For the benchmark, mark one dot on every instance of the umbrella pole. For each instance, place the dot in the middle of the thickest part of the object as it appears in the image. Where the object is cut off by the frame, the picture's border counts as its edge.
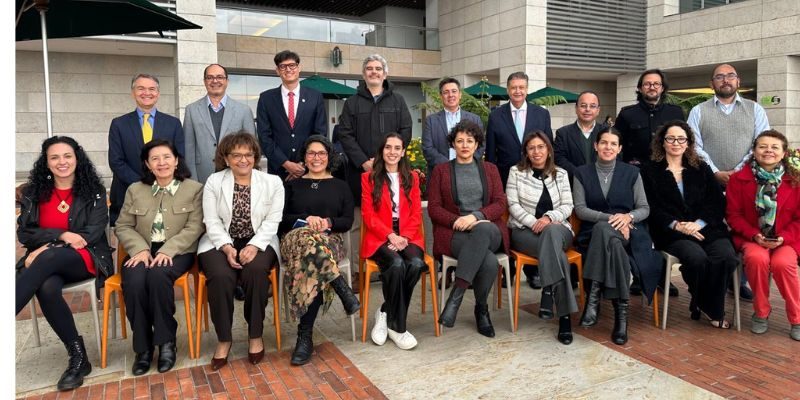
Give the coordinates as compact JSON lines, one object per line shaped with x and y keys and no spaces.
{"x":46,"y":75}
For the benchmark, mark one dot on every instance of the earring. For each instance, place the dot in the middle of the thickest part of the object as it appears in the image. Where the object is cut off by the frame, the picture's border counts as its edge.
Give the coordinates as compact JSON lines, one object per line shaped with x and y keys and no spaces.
{"x":49,"y":177}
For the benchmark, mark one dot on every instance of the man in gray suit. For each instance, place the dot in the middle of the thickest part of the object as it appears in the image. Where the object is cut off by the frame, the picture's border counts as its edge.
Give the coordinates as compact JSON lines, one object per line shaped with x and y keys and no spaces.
{"x":209,"y":119}
{"x":435,"y":146}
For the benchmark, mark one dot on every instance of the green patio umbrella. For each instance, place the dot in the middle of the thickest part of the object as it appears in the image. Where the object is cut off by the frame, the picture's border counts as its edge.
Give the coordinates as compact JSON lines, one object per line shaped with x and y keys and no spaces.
{"x":328,"y":88}
{"x":494,"y":92}
{"x":548,"y":91}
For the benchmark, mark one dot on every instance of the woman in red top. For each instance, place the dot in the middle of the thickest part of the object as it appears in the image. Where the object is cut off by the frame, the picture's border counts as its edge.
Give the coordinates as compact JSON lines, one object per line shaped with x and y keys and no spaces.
{"x":763,"y":212}
{"x":391,"y":210}
{"x":62,"y":225}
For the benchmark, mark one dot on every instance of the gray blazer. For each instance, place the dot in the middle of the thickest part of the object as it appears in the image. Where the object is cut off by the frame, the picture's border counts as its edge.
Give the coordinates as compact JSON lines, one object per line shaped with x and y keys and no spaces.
{"x":201,"y":142}
{"x":434,"y":138}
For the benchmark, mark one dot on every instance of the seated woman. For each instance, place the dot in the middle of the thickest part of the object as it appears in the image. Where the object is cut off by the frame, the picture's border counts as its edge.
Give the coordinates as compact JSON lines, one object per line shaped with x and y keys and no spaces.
{"x":321,"y":207}
{"x":466,"y":203}
{"x":62,"y":221}
{"x":242,"y":208}
{"x":686,"y":219}
{"x":540,"y":203}
{"x":391,"y":211}
{"x":160,"y":222}
{"x":610,"y":201}
{"x":764,"y":215}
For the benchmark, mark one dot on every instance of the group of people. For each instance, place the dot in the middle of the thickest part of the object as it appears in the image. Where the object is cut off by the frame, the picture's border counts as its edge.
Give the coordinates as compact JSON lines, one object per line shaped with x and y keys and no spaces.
{"x":194,"y":194}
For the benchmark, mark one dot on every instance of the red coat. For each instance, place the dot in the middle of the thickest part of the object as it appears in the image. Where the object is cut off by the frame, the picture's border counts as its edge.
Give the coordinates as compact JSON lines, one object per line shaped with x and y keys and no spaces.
{"x":443,"y":210}
{"x":741,"y":211}
{"x":378,"y":223}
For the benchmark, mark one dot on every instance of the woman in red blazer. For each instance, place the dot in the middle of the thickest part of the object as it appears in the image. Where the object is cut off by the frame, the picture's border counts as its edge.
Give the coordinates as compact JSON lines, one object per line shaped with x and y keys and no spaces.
{"x":391,"y":211}
{"x":763,"y":212}
{"x":466,"y":203}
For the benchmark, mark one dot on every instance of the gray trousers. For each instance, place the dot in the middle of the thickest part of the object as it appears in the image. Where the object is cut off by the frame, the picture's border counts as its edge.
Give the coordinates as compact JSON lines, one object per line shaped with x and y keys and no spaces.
{"x":549,"y":246}
{"x":477,"y":263}
{"x":607,"y":261}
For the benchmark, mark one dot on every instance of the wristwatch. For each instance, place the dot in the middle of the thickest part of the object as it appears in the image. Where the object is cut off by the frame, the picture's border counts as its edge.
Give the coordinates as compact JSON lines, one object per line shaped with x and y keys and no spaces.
{"x":631,"y":215}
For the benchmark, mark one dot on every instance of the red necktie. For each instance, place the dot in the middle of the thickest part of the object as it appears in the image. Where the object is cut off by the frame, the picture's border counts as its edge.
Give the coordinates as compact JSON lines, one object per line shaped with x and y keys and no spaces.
{"x":291,"y":110}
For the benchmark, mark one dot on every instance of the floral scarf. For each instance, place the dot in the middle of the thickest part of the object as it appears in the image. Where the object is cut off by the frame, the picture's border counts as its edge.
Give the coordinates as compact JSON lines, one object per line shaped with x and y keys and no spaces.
{"x":767,"y":196}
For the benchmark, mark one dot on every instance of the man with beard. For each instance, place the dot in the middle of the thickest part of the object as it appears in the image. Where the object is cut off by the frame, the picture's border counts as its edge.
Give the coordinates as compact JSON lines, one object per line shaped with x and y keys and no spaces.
{"x":639,"y":122}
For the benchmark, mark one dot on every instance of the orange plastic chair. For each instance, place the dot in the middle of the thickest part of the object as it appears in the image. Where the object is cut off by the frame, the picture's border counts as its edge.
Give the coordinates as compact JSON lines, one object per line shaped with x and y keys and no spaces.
{"x":370,"y":266}
{"x":114,"y":285}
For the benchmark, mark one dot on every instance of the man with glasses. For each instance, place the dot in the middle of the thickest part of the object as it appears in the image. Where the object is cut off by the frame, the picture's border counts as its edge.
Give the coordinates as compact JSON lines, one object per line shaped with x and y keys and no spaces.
{"x":209,"y":119}
{"x":574,"y":145}
{"x":639,"y":122}
{"x":287,"y":115}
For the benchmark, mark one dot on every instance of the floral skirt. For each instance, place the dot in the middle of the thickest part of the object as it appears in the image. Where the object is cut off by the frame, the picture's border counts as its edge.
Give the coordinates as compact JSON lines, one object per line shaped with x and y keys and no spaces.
{"x":310,"y":264}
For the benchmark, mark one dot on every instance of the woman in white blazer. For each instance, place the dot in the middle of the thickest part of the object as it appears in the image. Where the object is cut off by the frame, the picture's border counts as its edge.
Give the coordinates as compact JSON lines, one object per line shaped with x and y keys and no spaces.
{"x":242,"y":208}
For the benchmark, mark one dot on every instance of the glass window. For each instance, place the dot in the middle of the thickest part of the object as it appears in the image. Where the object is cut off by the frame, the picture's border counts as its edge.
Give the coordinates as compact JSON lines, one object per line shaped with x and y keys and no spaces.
{"x":305,"y":28}
{"x":247,"y":88}
{"x":262,"y":24}
{"x":350,"y":32}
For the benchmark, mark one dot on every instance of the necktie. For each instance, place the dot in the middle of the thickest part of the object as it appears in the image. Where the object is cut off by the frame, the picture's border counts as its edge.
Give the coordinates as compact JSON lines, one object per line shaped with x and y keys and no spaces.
{"x":519,"y":124}
{"x":147,"y":130}
{"x":291,"y":110}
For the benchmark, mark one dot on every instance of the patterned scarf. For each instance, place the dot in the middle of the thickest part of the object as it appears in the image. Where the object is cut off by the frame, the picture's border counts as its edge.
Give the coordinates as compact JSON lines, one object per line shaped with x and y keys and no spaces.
{"x":767,"y":196}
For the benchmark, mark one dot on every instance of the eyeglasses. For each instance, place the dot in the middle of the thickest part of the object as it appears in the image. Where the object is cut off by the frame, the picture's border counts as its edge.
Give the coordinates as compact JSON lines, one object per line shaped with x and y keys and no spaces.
{"x":673,"y":139}
{"x":290,"y":66}
{"x":314,"y":154}
{"x":654,"y":85}
{"x":212,"y":78}
{"x":583,"y":106}
{"x":724,"y":77}
{"x":239,"y":156}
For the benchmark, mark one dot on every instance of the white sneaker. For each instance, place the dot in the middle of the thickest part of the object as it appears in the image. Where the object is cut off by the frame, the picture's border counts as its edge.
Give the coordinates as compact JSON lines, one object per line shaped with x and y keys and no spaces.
{"x":405,"y":340}
{"x":379,"y":331}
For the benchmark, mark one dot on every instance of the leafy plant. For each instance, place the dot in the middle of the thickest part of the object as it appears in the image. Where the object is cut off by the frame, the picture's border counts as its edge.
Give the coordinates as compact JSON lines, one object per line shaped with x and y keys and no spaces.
{"x":417,"y":161}
{"x":686,"y":103}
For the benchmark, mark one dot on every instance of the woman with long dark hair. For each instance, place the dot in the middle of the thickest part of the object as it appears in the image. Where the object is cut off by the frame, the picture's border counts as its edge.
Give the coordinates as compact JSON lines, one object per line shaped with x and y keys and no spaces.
{"x":62,"y":224}
{"x":391,"y":211}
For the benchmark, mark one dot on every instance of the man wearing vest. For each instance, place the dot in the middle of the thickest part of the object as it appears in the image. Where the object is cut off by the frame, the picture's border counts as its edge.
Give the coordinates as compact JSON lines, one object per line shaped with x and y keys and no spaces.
{"x":725,"y":127}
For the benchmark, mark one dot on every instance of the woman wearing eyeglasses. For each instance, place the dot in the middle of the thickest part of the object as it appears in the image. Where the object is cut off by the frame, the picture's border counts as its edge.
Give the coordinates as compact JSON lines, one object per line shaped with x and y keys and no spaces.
{"x":242,"y":208}
{"x":687,"y":208}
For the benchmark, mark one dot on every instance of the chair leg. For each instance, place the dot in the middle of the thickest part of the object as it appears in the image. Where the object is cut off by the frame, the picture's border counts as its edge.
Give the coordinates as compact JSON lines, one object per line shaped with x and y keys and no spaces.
{"x":104,"y":337}
{"x":93,"y":299}
{"x":198,"y":310}
{"x":365,"y":308}
{"x":737,"y":312}
{"x":655,"y":308}
{"x":352,"y":317}
{"x":276,"y":318}
{"x":122,"y":315}
{"x":188,"y":311}
{"x":37,"y":340}
{"x":507,"y":269}
{"x":518,"y":267}
{"x":423,"y":292}
{"x":432,"y":277}
{"x":667,"y":273}
{"x":499,"y":289}
{"x":442,"y":290}
{"x":582,"y":294}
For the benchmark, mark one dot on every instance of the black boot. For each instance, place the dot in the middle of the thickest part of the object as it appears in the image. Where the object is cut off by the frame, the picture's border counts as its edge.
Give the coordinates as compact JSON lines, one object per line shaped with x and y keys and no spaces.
{"x":565,"y":330}
{"x":591,"y":310}
{"x":78,"y":366}
{"x":141,"y":364}
{"x":167,"y":353}
{"x":349,"y":300}
{"x":304,"y":347}
{"x":448,"y":316}
{"x":620,"y":333}
{"x":546,"y":304}
{"x":482,"y":320}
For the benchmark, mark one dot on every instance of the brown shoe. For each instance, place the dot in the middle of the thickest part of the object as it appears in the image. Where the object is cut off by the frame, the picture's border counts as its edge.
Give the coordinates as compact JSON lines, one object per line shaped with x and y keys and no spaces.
{"x":255,"y":358}
{"x":217,"y":363}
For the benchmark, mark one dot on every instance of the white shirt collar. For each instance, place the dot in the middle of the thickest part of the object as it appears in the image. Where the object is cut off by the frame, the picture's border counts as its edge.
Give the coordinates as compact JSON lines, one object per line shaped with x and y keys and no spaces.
{"x":524,"y":106}
{"x":285,"y":91}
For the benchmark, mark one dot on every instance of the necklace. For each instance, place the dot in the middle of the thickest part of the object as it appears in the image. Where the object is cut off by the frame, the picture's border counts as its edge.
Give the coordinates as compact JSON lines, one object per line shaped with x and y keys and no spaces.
{"x":315,"y":184}
{"x":62,"y":207}
{"x":605,"y":179}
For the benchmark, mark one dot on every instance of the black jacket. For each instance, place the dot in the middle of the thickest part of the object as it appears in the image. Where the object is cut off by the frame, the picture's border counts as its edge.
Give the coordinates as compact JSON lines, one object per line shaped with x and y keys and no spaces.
{"x":87,"y":217}
{"x":638,"y":124}
{"x":567,"y":147}
{"x":702,"y":199}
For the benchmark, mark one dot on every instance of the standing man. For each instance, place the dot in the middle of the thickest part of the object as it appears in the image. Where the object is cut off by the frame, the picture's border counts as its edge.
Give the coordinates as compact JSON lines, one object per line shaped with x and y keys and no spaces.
{"x":509,"y":123}
{"x":210,"y":118}
{"x":371,"y":113}
{"x":639,"y":122}
{"x":287,"y":115}
{"x":129,"y":133}
{"x":435,"y":146}
{"x":574,"y":144}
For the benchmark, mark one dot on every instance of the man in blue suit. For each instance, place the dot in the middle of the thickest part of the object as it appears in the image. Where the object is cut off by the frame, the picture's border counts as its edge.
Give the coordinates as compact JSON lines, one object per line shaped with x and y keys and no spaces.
{"x":435,"y":146}
{"x":510,"y":122}
{"x":286,"y":116}
{"x":129,"y":133}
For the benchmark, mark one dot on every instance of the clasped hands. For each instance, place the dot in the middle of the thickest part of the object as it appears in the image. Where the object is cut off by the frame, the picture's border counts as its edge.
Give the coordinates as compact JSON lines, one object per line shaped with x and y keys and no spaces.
{"x":71,"y":239}
{"x":237,"y":259}
{"x":318,"y":224}
{"x":466,"y":222}
{"x":622,"y":223}
{"x":690,"y":228}
{"x":397,"y":242}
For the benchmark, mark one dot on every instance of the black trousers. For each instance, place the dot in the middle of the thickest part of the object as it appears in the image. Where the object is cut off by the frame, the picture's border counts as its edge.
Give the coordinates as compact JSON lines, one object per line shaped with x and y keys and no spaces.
{"x":706,"y":267}
{"x":400,"y":271}
{"x":150,"y":300}
{"x":46,"y":277}
{"x":477,"y":263}
{"x":221,"y":283}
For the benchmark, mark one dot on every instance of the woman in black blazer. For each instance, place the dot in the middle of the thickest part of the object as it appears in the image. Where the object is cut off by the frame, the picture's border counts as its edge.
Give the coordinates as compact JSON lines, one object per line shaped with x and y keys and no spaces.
{"x":687,"y":208}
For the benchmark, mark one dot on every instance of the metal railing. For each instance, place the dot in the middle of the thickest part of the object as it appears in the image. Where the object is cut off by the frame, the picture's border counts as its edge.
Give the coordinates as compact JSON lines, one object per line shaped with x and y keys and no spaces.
{"x":694,"y":5}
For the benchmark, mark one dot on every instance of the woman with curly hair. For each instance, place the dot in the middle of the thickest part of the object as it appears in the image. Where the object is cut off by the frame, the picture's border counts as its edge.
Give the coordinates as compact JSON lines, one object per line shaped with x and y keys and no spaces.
{"x":62,"y":225}
{"x":764,"y":215}
{"x":686,"y":219}
{"x":318,"y":211}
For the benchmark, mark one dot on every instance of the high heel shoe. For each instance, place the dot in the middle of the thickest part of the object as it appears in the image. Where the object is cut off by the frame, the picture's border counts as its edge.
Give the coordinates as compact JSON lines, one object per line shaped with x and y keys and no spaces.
{"x":217,"y":363}
{"x":256,"y":357}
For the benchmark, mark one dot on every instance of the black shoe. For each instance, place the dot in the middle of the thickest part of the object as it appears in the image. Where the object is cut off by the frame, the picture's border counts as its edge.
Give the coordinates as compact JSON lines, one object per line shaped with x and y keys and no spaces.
{"x":591,"y":310}
{"x":482,"y":320}
{"x":167,"y":353}
{"x":238,"y":293}
{"x":620,"y":333}
{"x":141,"y":364}
{"x":304,"y":347}
{"x":546,"y":304}
{"x":636,"y":287}
{"x":564,"y":330}
{"x":745,"y":293}
{"x":349,"y":300}
{"x":534,"y":281}
{"x":450,"y":310}
{"x":77,"y":367}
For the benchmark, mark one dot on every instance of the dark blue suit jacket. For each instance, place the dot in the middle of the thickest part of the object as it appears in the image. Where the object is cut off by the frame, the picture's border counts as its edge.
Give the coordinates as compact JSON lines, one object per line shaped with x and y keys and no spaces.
{"x":503,"y":147}
{"x":278,"y":141}
{"x":435,"y":146}
{"x":125,"y":145}
{"x":568,"y":147}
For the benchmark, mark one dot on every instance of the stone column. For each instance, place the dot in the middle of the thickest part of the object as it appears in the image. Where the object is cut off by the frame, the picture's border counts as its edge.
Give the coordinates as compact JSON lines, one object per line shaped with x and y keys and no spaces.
{"x":780,"y":76}
{"x":196,"y":48}
{"x":626,"y":91}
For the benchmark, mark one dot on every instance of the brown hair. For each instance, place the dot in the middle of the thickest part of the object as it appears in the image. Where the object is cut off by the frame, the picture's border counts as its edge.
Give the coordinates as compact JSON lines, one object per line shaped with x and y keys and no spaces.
{"x":549,"y":164}
{"x":657,"y":152}
{"x":794,"y":174}
{"x":230,"y":142}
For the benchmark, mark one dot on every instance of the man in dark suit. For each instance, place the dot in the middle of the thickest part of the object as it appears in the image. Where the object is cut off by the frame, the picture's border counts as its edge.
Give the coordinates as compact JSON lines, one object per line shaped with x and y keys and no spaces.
{"x":574,"y":145}
{"x":287,"y":115}
{"x":128,"y":134}
{"x":435,"y":146}
{"x":510,"y":122}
